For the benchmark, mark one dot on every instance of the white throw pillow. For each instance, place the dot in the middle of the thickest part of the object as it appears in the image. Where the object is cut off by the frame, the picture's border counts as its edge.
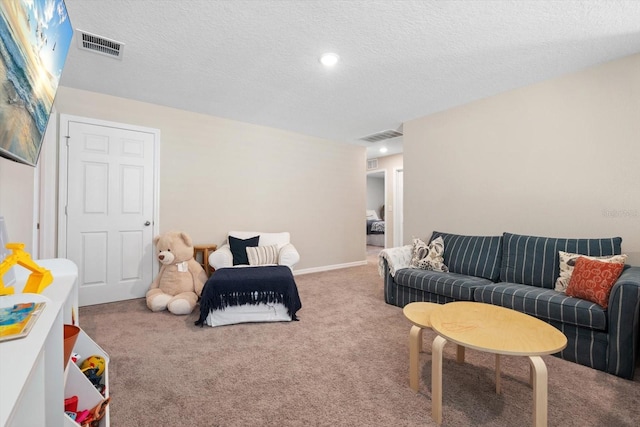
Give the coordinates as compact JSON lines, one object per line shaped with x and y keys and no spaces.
{"x":568,"y":261}
{"x":428,"y":257}
{"x":371,"y":214}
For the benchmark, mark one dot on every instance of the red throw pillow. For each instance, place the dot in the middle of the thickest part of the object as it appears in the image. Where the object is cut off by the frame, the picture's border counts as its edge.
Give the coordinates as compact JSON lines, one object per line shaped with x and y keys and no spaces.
{"x":592,"y":280}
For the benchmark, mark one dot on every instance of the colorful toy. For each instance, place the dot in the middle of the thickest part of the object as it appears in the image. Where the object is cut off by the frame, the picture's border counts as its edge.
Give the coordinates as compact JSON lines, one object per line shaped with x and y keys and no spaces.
{"x":39,"y":279}
{"x":82,"y":416}
{"x":181,"y":278}
{"x":71,"y":404}
{"x":94,"y":378}
{"x":93,"y":368}
{"x":94,"y":361}
{"x":88,"y":417}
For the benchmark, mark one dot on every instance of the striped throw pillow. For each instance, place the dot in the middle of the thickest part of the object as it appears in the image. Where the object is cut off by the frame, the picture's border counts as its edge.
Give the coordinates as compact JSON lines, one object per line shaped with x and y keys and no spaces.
{"x":262,"y":255}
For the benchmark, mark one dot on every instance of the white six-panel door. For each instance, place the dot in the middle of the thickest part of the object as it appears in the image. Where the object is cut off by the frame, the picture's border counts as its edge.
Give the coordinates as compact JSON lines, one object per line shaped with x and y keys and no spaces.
{"x":110,"y":192}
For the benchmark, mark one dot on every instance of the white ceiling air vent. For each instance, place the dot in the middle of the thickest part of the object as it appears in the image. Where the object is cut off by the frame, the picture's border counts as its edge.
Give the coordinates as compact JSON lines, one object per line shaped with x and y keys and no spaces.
{"x":99,"y":44}
{"x":379,"y":136}
{"x":372,"y":164}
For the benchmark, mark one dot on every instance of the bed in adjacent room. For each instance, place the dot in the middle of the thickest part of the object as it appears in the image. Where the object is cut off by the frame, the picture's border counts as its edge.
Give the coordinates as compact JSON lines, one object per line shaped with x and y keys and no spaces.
{"x":375,"y":229}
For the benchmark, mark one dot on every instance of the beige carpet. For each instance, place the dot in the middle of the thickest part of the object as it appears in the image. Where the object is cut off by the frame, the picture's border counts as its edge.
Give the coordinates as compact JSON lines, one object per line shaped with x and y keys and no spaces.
{"x":345,"y":363}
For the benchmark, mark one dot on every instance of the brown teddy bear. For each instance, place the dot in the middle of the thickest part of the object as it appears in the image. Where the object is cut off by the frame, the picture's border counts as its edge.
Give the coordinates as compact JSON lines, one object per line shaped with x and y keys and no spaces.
{"x":181,"y":278}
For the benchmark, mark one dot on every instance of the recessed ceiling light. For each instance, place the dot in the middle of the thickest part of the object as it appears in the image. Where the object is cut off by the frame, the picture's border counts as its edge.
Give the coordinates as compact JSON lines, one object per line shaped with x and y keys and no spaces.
{"x":329,"y":59}
{"x":383,"y":150}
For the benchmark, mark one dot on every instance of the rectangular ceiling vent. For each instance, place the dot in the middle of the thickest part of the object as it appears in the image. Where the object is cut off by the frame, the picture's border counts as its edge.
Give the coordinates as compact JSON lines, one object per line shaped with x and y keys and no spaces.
{"x":372,"y":164}
{"x":385,"y":134}
{"x":99,"y":44}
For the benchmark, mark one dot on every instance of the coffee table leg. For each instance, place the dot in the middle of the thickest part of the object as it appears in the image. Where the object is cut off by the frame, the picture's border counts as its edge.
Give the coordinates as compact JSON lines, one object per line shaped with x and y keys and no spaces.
{"x":436,"y":378}
{"x":460,"y":354}
{"x":498,"y":383}
{"x":415,"y":345}
{"x":531,"y":375}
{"x":539,"y":391}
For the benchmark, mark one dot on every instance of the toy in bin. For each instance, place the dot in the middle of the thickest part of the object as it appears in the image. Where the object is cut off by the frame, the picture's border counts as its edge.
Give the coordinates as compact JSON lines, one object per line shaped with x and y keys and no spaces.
{"x":93,"y":368}
{"x":85,"y":417}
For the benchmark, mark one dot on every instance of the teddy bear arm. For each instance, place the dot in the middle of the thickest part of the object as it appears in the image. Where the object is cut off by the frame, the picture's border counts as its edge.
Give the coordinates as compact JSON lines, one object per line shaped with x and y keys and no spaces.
{"x":199,"y":276}
{"x":198,"y":286}
{"x":155,"y":284}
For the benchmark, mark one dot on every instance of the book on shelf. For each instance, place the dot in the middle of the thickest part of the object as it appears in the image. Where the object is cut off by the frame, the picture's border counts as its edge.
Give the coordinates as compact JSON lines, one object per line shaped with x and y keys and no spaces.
{"x":16,"y":321}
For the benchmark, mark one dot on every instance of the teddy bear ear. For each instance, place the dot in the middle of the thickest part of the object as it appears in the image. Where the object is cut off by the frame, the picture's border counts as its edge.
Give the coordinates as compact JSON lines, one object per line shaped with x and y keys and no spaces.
{"x":186,"y":239}
{"x":156,"y":239}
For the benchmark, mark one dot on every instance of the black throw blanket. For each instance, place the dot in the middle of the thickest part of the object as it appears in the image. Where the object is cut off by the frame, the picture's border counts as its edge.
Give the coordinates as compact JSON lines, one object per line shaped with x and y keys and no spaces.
{"x":250,"y":285}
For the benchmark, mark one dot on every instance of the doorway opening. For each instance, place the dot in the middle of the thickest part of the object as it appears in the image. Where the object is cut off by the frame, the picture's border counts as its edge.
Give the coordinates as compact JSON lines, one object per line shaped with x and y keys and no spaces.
{"x":376,"y":201}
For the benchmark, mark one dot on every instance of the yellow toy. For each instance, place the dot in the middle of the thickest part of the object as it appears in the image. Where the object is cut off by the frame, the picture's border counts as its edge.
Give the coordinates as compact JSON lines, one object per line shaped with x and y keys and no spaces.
{"x":39,"y":279}
{"x":94,"y":362}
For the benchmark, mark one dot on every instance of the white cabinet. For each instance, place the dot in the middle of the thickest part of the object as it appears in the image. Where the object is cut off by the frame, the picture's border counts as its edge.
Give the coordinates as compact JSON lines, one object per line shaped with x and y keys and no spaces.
{"x":34,"y":379}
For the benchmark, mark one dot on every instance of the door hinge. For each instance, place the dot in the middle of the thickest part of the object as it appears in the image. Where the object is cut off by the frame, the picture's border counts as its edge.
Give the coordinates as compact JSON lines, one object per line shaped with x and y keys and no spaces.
{"x":67,"y":138}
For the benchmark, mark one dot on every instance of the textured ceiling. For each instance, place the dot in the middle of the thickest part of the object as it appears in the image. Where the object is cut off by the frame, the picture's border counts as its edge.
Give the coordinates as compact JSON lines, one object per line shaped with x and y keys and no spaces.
{"x":257,"y":61}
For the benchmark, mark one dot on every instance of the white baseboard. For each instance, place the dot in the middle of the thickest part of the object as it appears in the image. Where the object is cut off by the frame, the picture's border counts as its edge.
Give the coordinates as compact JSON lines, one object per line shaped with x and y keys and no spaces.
{"x":329,"y":267}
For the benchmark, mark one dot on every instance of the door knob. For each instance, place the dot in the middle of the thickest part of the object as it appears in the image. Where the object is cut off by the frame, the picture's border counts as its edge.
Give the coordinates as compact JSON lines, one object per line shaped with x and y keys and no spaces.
{"x":147,"y":223}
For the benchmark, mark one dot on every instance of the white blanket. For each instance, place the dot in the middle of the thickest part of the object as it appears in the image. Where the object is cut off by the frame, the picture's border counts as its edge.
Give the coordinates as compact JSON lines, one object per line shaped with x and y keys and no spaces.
{"x":397,"y":258}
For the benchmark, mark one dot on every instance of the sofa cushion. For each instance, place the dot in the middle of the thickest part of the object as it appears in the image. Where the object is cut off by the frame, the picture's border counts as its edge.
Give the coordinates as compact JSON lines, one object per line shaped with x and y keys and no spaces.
{"x":472,"y":255}
{"x":545,"y":304}
{"x":532,"y":260}
{"x":457,"y":286}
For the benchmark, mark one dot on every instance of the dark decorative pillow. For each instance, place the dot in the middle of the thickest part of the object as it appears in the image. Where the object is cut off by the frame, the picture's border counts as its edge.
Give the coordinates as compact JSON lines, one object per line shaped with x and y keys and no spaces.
{"x":239,"y":248}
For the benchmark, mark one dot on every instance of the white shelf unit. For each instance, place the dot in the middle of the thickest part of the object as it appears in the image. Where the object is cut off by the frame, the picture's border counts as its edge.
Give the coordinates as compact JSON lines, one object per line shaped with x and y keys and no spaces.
{"x":77,"y":384}
{"x":31,"y":369}
{"x":33,"y":389}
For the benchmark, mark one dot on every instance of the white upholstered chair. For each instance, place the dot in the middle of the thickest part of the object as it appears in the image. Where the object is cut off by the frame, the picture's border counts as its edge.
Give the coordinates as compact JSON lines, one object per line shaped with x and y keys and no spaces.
{"x":224,"y":256}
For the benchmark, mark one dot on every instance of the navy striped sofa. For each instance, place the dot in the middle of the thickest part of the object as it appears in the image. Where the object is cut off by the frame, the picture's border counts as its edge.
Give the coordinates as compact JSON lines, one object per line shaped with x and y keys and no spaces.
{"x":519,"y":272}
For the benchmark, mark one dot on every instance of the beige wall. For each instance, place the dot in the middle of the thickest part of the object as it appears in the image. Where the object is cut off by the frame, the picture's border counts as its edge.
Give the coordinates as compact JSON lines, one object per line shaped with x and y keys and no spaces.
{"x":219,"y":175}
{"x":16,"y":201}
{"x":389,"y":164}
{"x":560,"y":158}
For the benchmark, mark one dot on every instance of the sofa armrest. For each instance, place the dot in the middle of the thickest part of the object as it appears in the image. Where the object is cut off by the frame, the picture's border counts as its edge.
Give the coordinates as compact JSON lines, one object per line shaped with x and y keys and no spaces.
{"x":397,"y":258}
{"x":221,"y":257}
{"x":288,"y":256}
{"x":623,"y":322}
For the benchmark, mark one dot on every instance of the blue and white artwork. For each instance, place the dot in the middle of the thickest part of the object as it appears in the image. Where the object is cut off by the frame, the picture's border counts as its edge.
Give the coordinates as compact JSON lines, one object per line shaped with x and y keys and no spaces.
{"x":35,"y":36}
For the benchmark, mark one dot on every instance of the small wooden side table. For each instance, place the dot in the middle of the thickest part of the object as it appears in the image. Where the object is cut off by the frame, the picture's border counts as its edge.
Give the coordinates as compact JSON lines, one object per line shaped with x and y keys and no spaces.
{"x":201,"y":254}
{"x":419,"y":313}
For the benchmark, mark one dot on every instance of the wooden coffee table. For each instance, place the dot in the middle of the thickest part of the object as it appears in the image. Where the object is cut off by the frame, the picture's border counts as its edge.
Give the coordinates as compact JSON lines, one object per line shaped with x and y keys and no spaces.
{"x":498,"y":330}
